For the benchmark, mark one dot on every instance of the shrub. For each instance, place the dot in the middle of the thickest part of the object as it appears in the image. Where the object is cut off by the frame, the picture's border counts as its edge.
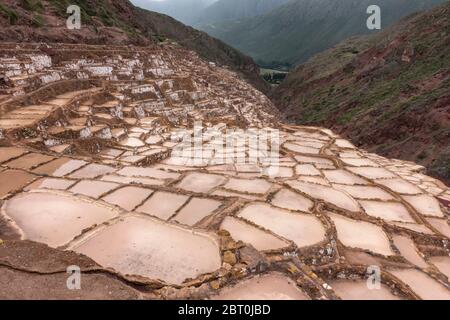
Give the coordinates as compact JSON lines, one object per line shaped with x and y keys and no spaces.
{"x":10,"y":14}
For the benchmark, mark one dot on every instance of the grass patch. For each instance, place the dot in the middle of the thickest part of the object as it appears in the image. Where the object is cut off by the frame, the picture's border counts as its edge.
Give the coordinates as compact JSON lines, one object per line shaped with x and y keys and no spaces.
{"x":38,"y":21}
{"x":32,"y":5}
{"x":9,"y":13}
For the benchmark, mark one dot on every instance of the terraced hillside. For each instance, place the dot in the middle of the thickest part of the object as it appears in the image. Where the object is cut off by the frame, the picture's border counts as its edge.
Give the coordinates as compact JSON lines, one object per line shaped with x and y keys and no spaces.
{"x":91,"y":176}
{"x":388,"y":93}
{"x":115,"y":22}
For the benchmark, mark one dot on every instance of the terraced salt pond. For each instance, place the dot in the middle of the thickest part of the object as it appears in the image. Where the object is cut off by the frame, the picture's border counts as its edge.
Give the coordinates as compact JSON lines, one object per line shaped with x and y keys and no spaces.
{"x":359,"y":290}
{"x":426,"y":287}
{"x":259,"y":239}
{"x":363,"y":235}
{"x":13,"y":180}
{"x":391,"y":211}
{"x":291,"y":200}
{"x":327,"y":194}
{"x":163,"y":204}
{"x":60,"y":167}
{"x":128,"y":198}
{"x":92,"y":171}
{"x":196,"y":210}
{"x":365,"y":192}
{"x":9,"y":153}
{"x":257,"y":186}
{"x":443,"y":264}
{"x":303,"y":229}
{"x":93,"y":189}
{"x":425,"y":205}
{"x":401,"y":186}
{"x":201,"y":182}
{"x":143,"y":246}
{"x":29,"y":161}
{"x":50,"y":183}
{"x":267,"y":287}
{"x":343,"y":177}
{"x":54,"y":218}
{"x":409,"y":251}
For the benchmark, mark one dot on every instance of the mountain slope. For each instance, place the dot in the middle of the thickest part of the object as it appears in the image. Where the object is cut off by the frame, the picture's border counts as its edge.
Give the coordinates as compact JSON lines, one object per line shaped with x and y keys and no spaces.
{"x":229,"y":10}
{"x":299,"y":29}
{"x":114,"y":22}
{"x":388,"y":92}
{"x":185,"y":11}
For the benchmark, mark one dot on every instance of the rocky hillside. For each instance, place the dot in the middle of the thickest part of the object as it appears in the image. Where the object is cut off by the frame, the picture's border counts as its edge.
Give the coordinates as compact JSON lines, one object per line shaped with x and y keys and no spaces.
{"x":293,"y":33}
{"x":388,"y":93}
{"x":114,"y":22}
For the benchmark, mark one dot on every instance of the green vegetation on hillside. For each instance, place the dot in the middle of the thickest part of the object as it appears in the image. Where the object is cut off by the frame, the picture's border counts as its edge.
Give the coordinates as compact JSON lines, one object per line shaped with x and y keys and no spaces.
{"x":10,"y":14}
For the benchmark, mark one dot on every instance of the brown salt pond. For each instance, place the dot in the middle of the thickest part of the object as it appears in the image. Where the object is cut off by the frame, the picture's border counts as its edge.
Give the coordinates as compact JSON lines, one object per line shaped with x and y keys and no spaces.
{"x":13,"y":180}
{"x":128,"y":198}
{"x":196,"y":210}
{"x":360,"y":234}
{"x":287,"y":199}
{"x":8,"y":153}
{"x":163,"y":204}
{"x":60,"y":167}
{"x":247,"y":233}
{"x":273,"y":286}
{"x":409,"y":251}
{"x":359,"y":290}
{"x":93,"y":189}
{"x":303,"y":229}
{"x":29,"y":161}
{"x":54,"y":218}
{"x":201,"y":182}
{"x":391,"y":211}
{"x":325,"y":193}
{"x":144,"y":246}
{"x":422,"y":284}
{"x":443,"y":264}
